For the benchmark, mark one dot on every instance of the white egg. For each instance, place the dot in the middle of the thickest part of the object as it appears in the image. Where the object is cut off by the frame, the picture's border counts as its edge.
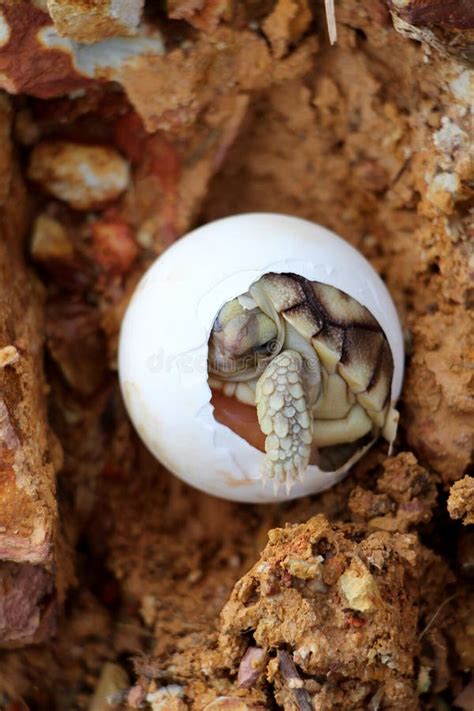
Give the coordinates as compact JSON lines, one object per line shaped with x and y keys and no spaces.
{"x":163,"y":347}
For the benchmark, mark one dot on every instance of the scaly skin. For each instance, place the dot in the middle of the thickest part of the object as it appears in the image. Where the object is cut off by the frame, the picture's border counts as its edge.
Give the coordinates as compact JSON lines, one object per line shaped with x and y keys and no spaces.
{"x":285,"y":418}
{"x":318,"y":362}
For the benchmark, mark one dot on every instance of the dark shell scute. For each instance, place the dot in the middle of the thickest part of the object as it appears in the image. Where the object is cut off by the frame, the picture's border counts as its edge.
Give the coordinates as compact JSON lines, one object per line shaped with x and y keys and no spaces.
{"x":304,"y":319}
{"x":360,"y":356}
{"x":341,"y":309}
{"x":285,"y":291}
{"x":378,"y":390}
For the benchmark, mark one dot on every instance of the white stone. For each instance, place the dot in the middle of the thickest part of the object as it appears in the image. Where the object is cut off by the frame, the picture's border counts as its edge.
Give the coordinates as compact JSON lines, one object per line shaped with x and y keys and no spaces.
{"x":4,"y":30}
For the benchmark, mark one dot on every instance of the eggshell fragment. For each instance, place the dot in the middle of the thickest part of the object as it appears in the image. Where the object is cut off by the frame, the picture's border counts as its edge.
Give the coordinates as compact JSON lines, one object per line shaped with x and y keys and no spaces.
{"x":164,"y":343}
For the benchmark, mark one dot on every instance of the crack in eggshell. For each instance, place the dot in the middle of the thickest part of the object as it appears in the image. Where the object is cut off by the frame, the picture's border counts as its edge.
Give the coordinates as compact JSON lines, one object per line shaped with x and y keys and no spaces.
{"x":181,"y":277}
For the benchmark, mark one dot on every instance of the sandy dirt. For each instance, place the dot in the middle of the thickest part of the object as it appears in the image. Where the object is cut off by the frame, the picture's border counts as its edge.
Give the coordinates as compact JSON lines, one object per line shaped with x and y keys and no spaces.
{"x":360,"y":598}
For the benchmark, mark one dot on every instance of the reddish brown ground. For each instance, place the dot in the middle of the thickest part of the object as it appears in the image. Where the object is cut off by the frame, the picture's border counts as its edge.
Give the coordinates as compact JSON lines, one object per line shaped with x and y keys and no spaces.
{"x":369,"y":138}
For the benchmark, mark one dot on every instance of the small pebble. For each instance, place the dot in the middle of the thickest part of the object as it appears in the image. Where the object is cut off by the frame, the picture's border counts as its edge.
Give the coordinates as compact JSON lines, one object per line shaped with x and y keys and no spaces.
{"x":8,"y":356}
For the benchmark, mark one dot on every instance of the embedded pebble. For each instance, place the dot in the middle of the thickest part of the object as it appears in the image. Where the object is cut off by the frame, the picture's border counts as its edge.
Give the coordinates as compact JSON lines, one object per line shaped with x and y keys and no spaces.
{"x":8,"y":356}
{"x":83,"y":176}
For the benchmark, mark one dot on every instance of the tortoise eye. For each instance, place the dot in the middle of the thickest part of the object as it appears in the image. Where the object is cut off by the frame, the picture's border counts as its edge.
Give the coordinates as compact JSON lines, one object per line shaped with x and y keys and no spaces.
{"x":271,"y":348}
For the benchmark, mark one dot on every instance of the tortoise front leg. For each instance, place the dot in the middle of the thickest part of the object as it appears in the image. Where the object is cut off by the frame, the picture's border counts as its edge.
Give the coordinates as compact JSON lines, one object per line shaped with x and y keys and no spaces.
{"x":285,"y":418}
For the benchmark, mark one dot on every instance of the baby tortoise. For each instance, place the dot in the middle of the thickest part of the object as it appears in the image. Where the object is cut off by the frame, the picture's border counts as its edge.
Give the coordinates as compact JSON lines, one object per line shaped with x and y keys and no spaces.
{"x":314,"y":362}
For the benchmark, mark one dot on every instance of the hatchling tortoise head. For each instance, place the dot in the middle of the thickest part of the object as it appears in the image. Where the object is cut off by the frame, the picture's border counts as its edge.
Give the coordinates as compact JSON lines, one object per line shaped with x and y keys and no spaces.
{"x":314,"y":362}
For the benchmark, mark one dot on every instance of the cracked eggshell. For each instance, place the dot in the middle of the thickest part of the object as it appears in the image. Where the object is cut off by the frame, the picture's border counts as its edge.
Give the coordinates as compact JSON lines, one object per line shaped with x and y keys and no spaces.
{"x":164,"y":342}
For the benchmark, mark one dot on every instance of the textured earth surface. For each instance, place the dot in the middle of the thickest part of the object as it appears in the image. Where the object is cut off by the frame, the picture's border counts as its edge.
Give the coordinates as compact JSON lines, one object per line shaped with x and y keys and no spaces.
{"x":143,"y":593}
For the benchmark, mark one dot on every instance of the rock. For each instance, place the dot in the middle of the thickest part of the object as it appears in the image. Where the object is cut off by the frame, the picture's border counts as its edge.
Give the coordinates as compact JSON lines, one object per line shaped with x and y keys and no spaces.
{"x":461,"y":500}
{"x":363,"y":623}
{"x":167,"y":698}
{"x":113,"y":245}
{"x":29,"y":453}
{"x":8,"y":356}
{"x":35,"y":59}
{"x":83,"y":176}
{"x":50,"y":241}
{"x":230,"y":703}
{"x":359,"y":588}
{"x":109,"y":692}
{"x":94,"y":20}
{"x":443,"y":25}
{"x":251,"y":667}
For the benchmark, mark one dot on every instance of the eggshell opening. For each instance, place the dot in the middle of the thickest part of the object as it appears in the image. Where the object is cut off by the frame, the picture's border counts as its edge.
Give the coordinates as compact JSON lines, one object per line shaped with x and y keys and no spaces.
{"x":240,"y":418}
{"x":164,"y":342}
